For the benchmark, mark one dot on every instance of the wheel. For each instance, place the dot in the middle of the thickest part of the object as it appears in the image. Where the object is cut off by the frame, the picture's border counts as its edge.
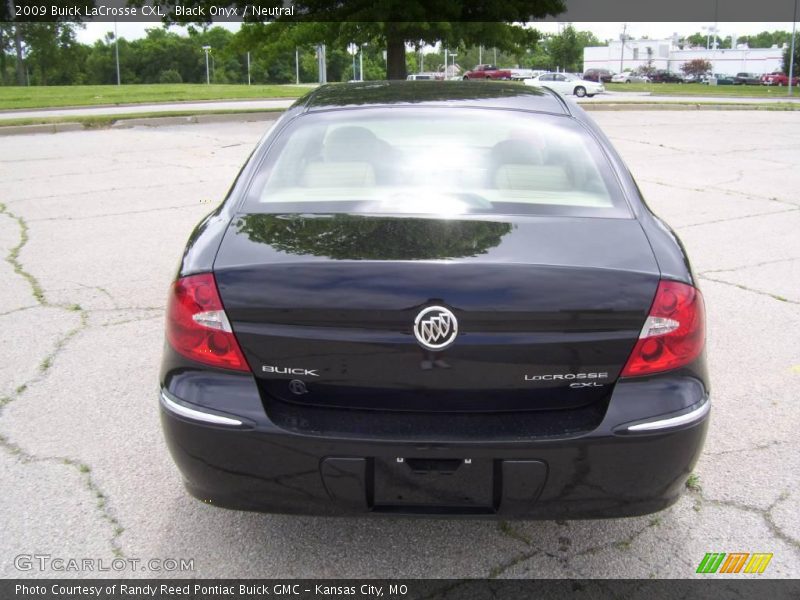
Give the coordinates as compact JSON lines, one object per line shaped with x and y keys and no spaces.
{"x":466,"y":78}
{"x":580,"y":91}
{"x":590,"y":95}
{"x":627,"y":81}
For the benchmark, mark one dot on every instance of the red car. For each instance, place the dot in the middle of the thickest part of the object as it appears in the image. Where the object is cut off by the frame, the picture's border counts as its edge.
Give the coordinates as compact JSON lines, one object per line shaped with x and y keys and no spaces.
{"x":778,"y":78}
{"x":487,"y":72}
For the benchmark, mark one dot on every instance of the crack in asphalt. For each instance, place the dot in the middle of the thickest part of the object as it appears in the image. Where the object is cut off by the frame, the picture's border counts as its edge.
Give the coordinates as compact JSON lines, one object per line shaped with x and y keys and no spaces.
{"x":20,"y":309}
{"x":749,"y":289}
{"x":509,"y":531}
{"x":726,"y":191}
{"x":111,"y":190}
{"x":119,"y":214}
{"x":90,"y":484}
{"x":771,"y":444}
{"x":764,"y":513}
{"x":738,"y":218}
{"x":763,"y":263}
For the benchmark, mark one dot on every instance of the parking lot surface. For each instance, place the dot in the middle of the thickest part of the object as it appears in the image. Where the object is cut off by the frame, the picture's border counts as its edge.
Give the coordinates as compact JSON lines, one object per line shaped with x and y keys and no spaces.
{"x":92,"y":227}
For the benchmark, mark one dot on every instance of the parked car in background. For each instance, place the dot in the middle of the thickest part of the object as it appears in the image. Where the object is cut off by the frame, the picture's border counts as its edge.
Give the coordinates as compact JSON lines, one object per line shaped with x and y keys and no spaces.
{"x":747,"y":79}
{"x":778,"y":78}
{"x":665,"y":77}
{"x":565,"y":83}
{"x":719,"y":79}
{"x":629,"y":78}
{"x":488,"y":72}
{"x":425,"y":76}
{"x":598,"y":75}
{"x":694,"y":78}
{"x":520,"y":74}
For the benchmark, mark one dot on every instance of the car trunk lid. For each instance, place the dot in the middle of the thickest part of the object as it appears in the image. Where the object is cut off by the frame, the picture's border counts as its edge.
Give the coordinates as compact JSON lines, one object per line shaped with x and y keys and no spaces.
{"x":548,"y":308}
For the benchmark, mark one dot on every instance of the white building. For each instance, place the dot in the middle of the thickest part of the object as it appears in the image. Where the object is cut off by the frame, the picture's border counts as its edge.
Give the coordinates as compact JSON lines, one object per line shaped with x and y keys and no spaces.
{"x":668,"y":55}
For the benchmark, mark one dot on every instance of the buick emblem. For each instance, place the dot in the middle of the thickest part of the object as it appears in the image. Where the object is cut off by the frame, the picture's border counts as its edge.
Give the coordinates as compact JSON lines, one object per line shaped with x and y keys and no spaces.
{"x":435,"y":328}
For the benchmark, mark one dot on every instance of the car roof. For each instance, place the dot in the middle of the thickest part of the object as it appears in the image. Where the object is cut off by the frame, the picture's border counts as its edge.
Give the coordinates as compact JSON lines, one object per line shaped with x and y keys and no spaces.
{"x":482,"y":94}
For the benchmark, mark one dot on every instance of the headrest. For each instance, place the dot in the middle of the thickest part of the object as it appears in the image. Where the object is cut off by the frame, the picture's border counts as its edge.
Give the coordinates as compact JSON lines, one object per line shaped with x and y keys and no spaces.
{"x":531,"y":177}
{"x":350,"y":143}
{"x":338,"y":175}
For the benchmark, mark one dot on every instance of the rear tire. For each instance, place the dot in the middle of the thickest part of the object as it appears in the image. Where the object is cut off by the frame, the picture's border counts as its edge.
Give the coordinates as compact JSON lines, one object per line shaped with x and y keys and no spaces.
{"x":590,"y":95}
{"x":580,"y":91}
{"x":466,"y":78}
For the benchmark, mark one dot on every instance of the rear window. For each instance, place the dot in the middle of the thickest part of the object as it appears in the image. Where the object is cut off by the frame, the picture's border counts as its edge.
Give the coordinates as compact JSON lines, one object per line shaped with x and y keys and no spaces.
{"x":436,"y":161}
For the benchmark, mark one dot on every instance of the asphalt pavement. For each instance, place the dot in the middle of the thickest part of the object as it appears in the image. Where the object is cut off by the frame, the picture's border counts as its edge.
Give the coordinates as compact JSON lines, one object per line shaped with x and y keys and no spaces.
{"x":92,"y":225}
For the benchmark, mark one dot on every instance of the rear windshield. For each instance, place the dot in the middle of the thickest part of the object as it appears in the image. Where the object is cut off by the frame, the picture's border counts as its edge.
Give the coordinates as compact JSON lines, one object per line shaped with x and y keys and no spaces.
{"x":441,"y":161}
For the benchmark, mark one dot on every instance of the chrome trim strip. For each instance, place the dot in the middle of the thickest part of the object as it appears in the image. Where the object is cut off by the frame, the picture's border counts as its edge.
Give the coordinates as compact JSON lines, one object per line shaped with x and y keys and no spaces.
{"x":196,"y":415}
{"x":689,"y":417}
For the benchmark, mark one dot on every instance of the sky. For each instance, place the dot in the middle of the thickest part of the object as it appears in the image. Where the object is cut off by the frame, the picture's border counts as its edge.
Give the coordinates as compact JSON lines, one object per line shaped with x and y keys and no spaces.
{"x":131,"y":31}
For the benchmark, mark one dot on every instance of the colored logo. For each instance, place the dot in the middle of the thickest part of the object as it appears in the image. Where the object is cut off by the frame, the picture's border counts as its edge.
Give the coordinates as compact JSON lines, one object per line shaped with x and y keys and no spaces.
{"x":734,"y":562}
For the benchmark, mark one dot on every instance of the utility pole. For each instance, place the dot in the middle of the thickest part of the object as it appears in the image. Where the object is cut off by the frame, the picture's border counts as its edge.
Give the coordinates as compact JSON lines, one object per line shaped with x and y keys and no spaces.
{"x":297,"y":65}
{"x":361,"y":63}
{"x":353,"y":50}
{"x":248,"y":68}
{"x":208,"y":78}
{"x":322,"y":68}
{"x":622,"y":46}
{"x":791,"y":50}
{"x":480,"y":54}
{"x":116,"y":50}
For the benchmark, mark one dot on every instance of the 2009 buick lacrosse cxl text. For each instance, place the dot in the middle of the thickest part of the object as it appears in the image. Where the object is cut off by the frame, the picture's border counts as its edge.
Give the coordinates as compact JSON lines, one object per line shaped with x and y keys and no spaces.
{"x":435,"y":298}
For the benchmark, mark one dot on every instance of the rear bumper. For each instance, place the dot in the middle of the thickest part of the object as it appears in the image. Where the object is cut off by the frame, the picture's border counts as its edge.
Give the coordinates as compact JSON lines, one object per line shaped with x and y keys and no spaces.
{"x":631,"y":464}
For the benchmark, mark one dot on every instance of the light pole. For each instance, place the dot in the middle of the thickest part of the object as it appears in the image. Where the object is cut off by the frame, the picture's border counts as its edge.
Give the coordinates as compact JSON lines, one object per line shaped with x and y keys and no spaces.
{"x":453,"y":56}
{"x":208,"y":77}
{"x":622,"y":46}
{"x":353,"y":50}
{"x":361,"y":62}
{"x":116,"y":51}
{"x":297,"y":65}
{"x":248,"y":68}
{"x":791,"y":50}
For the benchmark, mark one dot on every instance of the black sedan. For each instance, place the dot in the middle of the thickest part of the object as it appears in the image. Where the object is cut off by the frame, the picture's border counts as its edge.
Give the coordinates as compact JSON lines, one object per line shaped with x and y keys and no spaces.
{"x":435,"y":300}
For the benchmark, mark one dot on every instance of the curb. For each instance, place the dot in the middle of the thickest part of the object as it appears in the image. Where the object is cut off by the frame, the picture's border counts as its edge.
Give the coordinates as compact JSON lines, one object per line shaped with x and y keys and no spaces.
{"x":633,"y":106}
{"x":123,"y":123}
{"x":41,"y":128}
{"x":197,"y":119}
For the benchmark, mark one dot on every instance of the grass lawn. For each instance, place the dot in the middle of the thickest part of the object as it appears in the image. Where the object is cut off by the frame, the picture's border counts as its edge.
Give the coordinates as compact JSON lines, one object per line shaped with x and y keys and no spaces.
{"x":89,"y":95}
{"x":699,"y":89}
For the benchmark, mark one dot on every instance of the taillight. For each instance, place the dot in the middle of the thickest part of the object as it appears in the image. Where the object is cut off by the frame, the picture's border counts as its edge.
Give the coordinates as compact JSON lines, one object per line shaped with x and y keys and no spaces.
{"x":197,"y":326}
{"x":674,"y":333}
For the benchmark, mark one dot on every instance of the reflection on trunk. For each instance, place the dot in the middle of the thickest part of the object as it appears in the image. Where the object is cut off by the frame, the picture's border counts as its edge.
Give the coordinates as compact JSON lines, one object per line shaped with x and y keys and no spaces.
{"x":345,"y":237}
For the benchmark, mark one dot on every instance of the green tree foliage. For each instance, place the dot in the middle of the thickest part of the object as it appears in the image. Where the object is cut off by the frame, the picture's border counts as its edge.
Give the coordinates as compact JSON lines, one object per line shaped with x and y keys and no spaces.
{"x":391,"y":24}
{"x":566,"y":48}
{"x":766,"y":39}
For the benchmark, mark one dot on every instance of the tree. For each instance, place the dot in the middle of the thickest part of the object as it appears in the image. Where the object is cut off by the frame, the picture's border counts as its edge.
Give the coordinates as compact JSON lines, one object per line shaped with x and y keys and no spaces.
{"x":565,"y":49}
{"x":696,"y":67}
{"x":394,"y":23}
{"x":766,"y":39}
